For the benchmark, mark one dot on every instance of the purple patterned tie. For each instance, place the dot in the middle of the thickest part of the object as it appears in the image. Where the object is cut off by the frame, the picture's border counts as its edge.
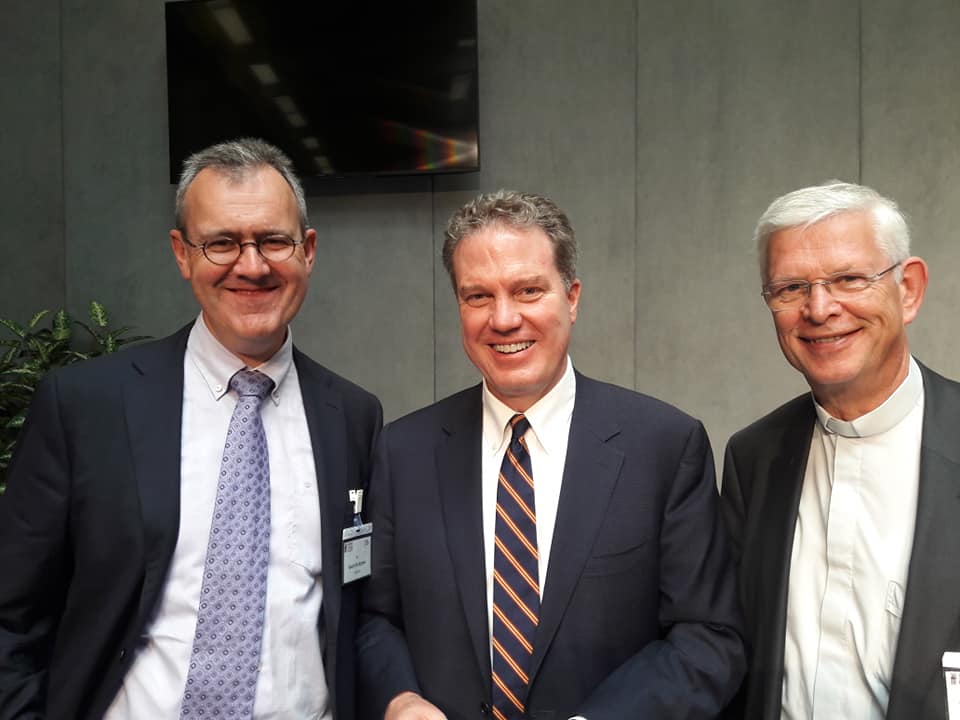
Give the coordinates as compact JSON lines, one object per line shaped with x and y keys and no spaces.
{"x":222,"y":681}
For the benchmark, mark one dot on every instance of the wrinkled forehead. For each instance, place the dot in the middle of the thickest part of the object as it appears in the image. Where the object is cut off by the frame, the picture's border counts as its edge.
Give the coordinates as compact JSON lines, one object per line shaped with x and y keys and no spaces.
{"x":219,"y":194}
{"x":839,"y":242}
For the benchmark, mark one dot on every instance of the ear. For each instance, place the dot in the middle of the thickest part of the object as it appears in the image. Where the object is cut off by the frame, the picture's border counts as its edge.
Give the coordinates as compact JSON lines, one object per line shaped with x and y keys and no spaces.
{"x":309,"y":248}
{"x":573,"y":299}
{"x":180,"y":253}
{"x":913,"y":286}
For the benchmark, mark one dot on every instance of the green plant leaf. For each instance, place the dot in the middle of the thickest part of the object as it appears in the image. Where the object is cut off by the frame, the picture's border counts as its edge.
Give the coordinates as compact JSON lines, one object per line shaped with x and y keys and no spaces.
{"x":41,"y":349}
{"x":98,"y":314}
{"x":14,"y":327}
{"x":10,"y":354}
{"x":23,"y":370}
{"x":61,"y":325}
{"x":19,"y":386}
{"x":34,"y":350}
{"x":37,"y":318}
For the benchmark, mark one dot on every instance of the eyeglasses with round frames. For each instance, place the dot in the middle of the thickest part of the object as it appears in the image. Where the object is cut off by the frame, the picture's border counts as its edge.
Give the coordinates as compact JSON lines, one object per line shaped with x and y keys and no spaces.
{"x":226,"y":251}
{"x":791,"y":294}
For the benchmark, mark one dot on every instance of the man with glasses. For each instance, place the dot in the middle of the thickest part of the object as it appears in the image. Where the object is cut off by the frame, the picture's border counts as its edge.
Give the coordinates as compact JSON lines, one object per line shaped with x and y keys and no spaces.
{"x":170,"y":538}
{"x":842,"y":501}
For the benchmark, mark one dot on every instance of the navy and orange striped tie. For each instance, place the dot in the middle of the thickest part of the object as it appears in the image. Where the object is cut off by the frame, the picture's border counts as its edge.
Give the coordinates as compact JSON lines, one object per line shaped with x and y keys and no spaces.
{"x":516,"y":583}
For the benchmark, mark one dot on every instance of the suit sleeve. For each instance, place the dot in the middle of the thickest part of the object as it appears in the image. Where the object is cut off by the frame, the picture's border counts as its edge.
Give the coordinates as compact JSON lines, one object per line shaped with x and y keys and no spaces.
{"x":698,"y":664}
{"x":33,"y":558}
{"x":384,"y":666}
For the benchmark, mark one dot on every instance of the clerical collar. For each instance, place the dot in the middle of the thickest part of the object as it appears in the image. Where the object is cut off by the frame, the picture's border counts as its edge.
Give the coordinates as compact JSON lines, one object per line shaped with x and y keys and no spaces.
{"x":894,"y":409}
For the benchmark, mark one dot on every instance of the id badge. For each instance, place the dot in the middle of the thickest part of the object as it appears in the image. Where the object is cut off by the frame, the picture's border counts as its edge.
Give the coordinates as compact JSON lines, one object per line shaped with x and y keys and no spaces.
{"x":356,"y":552}
{"x":951,"y":678}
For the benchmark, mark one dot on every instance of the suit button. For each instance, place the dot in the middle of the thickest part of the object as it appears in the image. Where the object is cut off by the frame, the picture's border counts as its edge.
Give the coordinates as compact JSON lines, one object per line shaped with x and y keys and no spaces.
{"x":123,"y":653}
{"x":485,"y":708}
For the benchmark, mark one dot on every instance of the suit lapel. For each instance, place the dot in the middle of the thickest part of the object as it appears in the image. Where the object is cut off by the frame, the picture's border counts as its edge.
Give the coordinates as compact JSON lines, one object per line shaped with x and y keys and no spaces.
{"x":327,"y":426}
{"x":590,"y":473}
{"x":782,"y":478}
{"x":459,"y":465}
{"x":929,"y":622}
{"x":153,"y":403}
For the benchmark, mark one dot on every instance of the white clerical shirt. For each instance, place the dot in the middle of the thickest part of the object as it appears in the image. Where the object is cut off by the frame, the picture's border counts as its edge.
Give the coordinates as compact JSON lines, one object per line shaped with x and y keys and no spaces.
{"x":291,"y":682}
{"x":851,"y":554}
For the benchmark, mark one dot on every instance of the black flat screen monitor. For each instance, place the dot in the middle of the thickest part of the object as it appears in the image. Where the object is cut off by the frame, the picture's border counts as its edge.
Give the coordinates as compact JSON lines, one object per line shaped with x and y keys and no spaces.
{"x":344,"y":88}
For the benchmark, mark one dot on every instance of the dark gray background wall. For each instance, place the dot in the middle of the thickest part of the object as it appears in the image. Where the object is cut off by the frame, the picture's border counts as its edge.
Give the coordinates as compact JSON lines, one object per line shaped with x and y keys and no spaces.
{"x":662,"y":127}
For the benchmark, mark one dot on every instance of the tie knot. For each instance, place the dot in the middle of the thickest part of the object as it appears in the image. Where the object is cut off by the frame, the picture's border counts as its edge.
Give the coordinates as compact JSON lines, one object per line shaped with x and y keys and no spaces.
{"x":251,"y":383}
{"x":520,"y":425}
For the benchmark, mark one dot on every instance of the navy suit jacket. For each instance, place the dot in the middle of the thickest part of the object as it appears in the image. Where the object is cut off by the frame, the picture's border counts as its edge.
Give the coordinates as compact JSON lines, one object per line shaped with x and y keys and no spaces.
{"x":762,"y":480}
{"x":90,"y":518}
{"x":639,"y":615}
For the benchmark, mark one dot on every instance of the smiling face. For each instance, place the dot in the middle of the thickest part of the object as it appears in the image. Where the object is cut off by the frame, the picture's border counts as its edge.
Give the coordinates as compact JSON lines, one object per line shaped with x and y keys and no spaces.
{"x":853,"y":353}
{"x":515,"y":314}
{"x":247,"y":305}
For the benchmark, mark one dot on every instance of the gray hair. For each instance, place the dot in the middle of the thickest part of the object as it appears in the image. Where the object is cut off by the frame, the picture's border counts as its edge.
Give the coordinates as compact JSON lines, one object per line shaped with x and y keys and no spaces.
{"x":810,"y":205}
{"x":518,"y":210}
{"x":236,"y":158}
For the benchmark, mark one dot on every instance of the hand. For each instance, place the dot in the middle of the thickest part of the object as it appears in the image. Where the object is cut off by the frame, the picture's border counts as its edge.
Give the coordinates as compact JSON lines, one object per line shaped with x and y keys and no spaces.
{"x":410,"y":706}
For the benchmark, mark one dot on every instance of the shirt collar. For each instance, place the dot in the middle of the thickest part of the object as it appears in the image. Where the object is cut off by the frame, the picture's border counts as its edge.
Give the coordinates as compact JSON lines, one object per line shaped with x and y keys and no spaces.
{"x":888,"y":415}
{"x":217,"y":365}
{"x":549,"y":416}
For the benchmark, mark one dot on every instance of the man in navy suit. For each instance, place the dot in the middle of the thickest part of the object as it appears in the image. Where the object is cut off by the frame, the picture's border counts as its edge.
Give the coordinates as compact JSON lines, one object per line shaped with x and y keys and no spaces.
{"x":110,"y":496}
{"x":633,"y":610}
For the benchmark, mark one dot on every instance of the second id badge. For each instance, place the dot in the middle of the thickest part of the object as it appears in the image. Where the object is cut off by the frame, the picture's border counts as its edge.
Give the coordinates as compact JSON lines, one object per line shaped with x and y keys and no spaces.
{"x":356,"y":552}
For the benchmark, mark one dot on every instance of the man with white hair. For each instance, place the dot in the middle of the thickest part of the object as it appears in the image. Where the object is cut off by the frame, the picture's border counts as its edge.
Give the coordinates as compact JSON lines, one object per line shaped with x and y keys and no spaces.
{"x":841,"y":501}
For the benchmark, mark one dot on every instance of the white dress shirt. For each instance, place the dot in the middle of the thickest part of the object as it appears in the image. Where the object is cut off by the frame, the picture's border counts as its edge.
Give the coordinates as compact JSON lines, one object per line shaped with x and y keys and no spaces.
{"x":546,"y":441}
{"x":291,"y":682}
{"x":851,"y":554}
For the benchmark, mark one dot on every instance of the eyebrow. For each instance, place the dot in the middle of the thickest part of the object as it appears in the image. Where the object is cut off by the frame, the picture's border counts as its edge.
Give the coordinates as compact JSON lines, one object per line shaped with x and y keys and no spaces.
{"x":469,"y":289}
{"x":236,"y":234}
{"x":515,"y":283}
{"x":532,"y":280}
{"x":849,"y":270}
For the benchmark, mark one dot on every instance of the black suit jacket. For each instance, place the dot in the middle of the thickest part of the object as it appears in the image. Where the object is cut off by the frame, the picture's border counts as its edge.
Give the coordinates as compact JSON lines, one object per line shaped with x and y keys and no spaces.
{"x":91,"y":514}
{"x":638,"y":617}
{"x":762,"y":480}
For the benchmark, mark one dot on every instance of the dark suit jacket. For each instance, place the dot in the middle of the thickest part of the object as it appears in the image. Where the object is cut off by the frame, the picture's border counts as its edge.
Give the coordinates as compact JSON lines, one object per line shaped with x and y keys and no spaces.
{"x":90,"y":519}
{"x":762,"y":479}
{"x":638,"y":617}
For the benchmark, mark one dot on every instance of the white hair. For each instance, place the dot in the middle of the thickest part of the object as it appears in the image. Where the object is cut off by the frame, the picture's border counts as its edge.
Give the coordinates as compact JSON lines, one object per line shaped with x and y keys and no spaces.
{"x":810,"y":205}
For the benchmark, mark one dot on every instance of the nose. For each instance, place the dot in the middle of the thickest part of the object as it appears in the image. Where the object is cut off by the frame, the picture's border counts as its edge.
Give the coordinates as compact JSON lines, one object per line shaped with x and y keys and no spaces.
{"x":250,"y":262}
{"x":820,"y":304}
{"x":504,"y":316}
